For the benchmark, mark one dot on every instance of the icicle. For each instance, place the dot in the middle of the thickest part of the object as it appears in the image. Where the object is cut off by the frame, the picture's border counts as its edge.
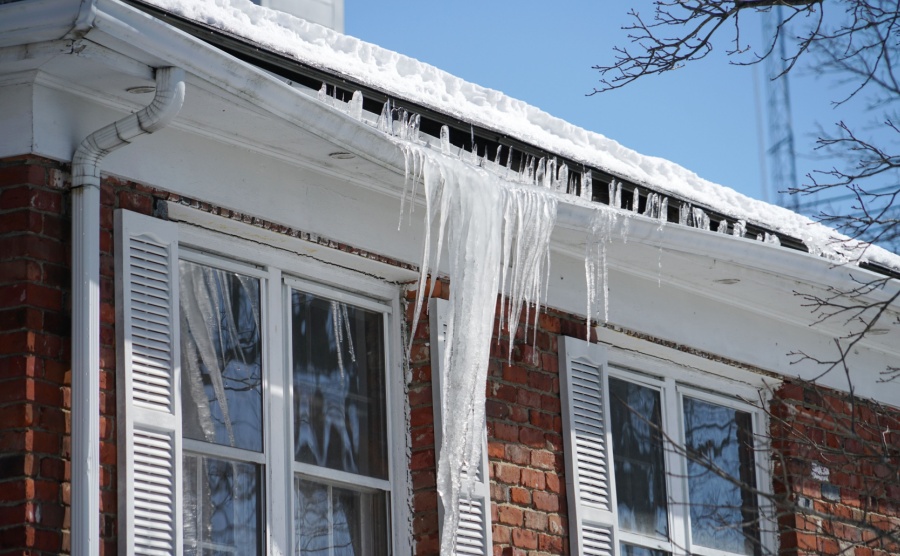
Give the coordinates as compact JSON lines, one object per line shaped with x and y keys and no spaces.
{"x":700,"y":219}
{"x":413,"y":128}
{"x":636,"y":200}
{"x":595,"y":265}
{"x":562,"y":178}
{"x":323,"y":93}
{"x":740,"y":228}
{"x":615,"y":194}
{"x":772,"y":239}
{"x":684,"y":214}
{"x":479,"y":221}
{"x":540,"y":175}
{"x":723,"y":226}
{"x":445,"y":139}
{"x":587,"y":185}
{"x":663,"y":212}
{"x":651,"y":209}
{"x":356,"y":106}
{"x":385,"y":120}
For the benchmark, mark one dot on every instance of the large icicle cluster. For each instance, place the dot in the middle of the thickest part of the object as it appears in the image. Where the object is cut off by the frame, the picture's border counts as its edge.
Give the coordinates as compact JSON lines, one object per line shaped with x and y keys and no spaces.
{"x":497,"y":237}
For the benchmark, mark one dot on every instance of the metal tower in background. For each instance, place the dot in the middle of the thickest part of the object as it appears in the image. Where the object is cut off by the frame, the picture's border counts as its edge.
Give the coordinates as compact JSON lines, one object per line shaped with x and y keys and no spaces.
{"x":782,"y":157}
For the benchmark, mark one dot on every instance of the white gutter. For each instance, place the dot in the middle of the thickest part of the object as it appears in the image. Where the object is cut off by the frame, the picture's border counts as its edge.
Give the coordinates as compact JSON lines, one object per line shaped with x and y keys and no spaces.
{"x":86,"y":298}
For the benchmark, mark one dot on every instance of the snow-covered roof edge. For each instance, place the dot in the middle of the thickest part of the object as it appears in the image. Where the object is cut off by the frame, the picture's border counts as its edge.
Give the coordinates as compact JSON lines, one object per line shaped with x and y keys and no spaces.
{"x":423,"y":84}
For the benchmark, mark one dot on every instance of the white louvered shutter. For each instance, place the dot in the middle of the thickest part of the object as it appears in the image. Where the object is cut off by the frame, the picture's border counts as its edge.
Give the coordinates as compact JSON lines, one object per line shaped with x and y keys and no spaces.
{"x":474,"y":533}
{"x":148,"y":385}
{"x":592,"y":519}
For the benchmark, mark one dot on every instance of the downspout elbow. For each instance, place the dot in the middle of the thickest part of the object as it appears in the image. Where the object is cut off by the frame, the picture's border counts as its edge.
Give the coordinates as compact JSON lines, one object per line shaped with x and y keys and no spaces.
{"x":86,"y":298}
{"x":156,"y":115}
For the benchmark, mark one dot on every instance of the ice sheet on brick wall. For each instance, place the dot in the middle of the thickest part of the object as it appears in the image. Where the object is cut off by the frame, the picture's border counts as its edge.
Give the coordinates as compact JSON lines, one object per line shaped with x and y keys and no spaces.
{"x":497,"y":238}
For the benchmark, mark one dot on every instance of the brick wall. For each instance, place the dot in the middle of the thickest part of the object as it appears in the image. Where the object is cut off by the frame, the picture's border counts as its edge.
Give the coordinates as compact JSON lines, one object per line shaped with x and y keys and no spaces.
{"x":836,"y":463}
{"x":34,"y":357}
{"x":35,"y":360}
{"x":525,"y":446}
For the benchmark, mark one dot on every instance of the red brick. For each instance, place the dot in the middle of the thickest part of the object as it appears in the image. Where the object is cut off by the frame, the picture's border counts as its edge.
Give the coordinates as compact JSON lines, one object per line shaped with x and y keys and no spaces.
{"x":515,"y":374}
{"x":517,"y":454}
{"x":531,"y":437}
{"x":421,"y":416}
{"x":553,"y":482}
{"x":33,"y":247}
{"x":543,"y":460}
{"x":504,"y":473}
{"x":523,"y":538}
{"x":528,"y":398}
{"x":546,"y":501}
{"x":551,"y":544}
{"x":502,"y":431}
{"x":541,"y":420}
{"x":425,"y":499}
{"x":14,"y":270}
{"x":540,"y":381}
{"x":537,"y":521}
{"x":510,"y":515}
{"x":422,"y":460}
{"x":533,"y":479}
{"x":501,"y":534}
{"x":19,"y":174}
{"x":135,"y":201}
{"x":420,"y":396}
{"x":520,"y":496}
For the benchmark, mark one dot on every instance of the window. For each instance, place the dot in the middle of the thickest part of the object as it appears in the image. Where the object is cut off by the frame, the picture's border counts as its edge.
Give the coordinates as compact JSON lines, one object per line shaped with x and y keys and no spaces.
{"x":279,"y":437}
{"x":660,"y":466}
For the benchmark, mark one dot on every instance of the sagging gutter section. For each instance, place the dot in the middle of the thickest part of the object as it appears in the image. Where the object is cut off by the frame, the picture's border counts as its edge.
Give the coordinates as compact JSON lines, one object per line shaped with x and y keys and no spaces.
{"x":86,"y":298}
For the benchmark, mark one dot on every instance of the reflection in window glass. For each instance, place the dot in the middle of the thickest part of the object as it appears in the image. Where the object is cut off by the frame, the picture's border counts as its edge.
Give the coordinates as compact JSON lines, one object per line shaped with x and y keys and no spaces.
{"x":221,"y":507}
{"x":719,"y":440}
{"x":631,"y":550}
{"x":339,"y":392}
{"x":221,"y":357}
{"x":340,"y":522}
{"x":635,"y":417}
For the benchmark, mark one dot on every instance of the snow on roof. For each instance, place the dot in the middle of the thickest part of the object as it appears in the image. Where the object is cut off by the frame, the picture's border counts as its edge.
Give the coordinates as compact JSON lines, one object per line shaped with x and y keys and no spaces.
{"x":425,"y":85}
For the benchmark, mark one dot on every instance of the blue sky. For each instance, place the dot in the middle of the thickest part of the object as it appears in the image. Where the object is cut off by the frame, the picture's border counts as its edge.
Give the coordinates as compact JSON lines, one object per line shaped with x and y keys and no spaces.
{"x":703,"y":116}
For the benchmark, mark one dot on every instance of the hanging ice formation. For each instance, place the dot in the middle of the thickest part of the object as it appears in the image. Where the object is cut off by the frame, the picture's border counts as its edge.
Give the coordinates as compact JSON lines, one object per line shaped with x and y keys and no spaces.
{"x":496,"y":221}
{"x":498,"y":242}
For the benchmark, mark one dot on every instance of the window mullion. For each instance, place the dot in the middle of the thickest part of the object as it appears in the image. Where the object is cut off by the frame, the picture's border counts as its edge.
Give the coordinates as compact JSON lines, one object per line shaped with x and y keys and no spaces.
{"x":276,"y":413}
{"x":675,"y":468}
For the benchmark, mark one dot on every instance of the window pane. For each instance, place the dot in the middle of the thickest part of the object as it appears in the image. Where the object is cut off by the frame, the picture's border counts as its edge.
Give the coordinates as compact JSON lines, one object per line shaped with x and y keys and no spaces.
{"x":330,"y":518}
{"x":221,"y":357}
{"x":723,"y":510}
{"x":221,"y":507}
{"x":339,"y":390}
{"x":635,"y":417}
{"x":632,"y":550}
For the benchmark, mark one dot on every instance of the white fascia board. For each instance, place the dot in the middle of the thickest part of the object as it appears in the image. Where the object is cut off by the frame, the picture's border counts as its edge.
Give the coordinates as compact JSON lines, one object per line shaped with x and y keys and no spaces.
{"x":792,"y":265}
{"x":35,"y":21}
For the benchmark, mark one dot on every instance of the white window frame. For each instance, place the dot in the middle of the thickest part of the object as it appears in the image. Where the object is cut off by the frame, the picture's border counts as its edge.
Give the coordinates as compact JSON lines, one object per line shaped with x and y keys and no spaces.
{"x":230,"y":245}
{"x":676,"y":374}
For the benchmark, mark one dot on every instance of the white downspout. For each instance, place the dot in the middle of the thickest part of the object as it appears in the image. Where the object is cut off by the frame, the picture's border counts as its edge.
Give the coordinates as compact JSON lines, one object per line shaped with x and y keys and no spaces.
{"x":86,"y":299}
